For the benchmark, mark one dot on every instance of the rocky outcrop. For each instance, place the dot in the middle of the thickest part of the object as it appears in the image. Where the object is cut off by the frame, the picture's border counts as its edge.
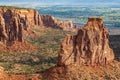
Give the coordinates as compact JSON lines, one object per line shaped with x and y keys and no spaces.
{"x":3,"y":35}
{"x":50,"y":21}
{"x":90,"y":46}
{"x":28,"y":17}
{"x":14,"y":21}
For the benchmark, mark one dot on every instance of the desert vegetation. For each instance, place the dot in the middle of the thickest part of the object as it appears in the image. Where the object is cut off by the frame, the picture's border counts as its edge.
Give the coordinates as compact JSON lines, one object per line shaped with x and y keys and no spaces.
{"x":47,"y":43}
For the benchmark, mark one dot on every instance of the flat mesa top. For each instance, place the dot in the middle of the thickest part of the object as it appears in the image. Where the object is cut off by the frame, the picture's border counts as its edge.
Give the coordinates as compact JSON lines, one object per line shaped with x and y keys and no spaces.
{"x":95,"y":19}
{"x":13,"y":7}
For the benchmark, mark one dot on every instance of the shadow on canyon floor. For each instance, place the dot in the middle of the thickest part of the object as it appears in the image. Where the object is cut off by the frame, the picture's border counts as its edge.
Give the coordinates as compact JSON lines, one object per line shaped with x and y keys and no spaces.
{"x":115,"y":45}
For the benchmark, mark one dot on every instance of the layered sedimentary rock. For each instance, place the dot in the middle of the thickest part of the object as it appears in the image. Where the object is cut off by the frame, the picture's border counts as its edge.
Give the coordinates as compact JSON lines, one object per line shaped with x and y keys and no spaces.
{"x":28,"y":17}
{"x":50,"y":21}
{"x":90,"y":46}
{"x":3,"y":35}
{"x":14,"y":21}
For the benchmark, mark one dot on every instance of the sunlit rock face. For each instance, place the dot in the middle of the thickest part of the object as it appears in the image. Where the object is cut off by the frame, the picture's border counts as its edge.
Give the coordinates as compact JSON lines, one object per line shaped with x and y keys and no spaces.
{"x":13,"y":23}
{"x":50,"y":21}
{"x":90,"y":46}
{"x":3,"y":35}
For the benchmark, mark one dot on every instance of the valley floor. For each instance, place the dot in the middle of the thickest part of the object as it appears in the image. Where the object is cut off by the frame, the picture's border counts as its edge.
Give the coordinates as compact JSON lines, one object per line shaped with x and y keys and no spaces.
{"x":36,"y":66}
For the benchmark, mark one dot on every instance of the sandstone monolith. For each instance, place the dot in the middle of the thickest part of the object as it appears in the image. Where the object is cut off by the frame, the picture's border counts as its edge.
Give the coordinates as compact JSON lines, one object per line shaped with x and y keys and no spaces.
{"x":90,"y":46}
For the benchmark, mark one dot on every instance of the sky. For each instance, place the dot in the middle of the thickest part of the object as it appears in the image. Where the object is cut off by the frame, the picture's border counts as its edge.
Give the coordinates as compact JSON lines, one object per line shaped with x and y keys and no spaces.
{"x":57,"y":2}
{"x":60,"y":1}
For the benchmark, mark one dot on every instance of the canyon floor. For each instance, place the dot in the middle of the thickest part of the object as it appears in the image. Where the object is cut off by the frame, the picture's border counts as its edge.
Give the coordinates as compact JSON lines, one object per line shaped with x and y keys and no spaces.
{"x":35,"y":65}
{"x":45,"y":45}
{"x":31,"y":43}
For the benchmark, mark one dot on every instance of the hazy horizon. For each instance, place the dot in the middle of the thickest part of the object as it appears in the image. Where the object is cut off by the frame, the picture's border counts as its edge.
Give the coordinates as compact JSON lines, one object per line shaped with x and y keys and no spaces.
{"x":32,"y":3}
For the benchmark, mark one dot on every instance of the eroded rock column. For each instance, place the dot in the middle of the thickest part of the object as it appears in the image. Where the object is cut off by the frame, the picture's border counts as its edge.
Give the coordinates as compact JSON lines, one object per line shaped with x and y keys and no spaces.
{"x":90,"y":46}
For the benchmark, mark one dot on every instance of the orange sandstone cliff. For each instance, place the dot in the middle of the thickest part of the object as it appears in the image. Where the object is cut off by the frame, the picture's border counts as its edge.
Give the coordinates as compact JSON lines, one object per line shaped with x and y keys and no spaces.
{"x":85,"y":56}
{"x":90,"y":46}
{"x":14,"y":21}
{"x":51,"y":21}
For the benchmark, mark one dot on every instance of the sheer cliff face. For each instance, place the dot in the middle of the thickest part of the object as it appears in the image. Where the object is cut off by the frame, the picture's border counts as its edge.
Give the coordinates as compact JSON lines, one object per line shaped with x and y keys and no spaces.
{"x":90,"y":46}
{"x":13,"y":22}
{"x":50,"y":21}
{"x":28,"y":17}
{"x":3,"y":35}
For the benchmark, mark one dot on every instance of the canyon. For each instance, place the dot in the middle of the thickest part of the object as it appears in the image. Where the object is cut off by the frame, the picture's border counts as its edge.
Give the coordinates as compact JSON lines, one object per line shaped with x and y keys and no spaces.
{"x":86,"y":55}
{"x":16,"y":24}
{"x":15,"y":21}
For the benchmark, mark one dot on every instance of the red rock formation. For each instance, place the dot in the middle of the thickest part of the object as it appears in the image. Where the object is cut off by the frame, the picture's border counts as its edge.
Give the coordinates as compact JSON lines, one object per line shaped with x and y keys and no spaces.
{"x":50,"y":21}
{"x":3,"y":35}
{"x":90,"y":46}
{"x":13,"y":22}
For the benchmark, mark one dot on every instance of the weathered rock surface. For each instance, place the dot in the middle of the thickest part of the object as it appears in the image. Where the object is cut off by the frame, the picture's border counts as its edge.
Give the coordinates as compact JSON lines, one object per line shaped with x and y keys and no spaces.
{"x":50,"y":21}
{"x":3,"y":34}
{"x":90,"y":46}
{"x":13,"y":23}
{"x":80,"y":72}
